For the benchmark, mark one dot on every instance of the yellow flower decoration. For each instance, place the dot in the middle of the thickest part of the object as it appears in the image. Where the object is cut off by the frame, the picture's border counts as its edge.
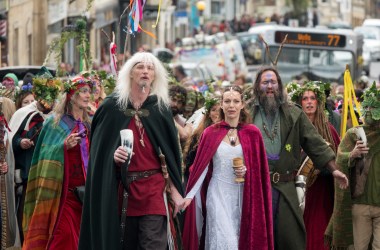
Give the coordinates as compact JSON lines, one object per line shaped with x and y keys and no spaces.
{"x":288,"y":147}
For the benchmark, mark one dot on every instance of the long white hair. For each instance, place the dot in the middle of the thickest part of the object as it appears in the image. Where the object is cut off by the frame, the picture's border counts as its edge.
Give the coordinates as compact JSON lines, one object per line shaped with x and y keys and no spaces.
{"x":159,"y":86}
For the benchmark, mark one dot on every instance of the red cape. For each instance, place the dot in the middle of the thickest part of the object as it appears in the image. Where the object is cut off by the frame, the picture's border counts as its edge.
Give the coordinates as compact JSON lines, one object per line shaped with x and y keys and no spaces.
{"x":256,"y":221}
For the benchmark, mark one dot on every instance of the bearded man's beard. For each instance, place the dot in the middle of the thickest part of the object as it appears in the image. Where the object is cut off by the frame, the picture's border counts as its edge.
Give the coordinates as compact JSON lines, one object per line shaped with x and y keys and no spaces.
{"x":270,"y":104}
{"x":175,"y":111}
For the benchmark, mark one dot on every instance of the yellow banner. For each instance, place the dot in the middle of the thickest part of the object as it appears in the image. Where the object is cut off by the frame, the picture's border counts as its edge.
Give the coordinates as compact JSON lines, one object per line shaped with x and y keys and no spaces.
{"x":349,"y":99}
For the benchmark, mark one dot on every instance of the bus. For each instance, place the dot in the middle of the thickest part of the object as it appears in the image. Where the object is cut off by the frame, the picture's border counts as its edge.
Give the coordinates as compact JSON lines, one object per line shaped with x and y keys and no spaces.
{"x":317,"y":54}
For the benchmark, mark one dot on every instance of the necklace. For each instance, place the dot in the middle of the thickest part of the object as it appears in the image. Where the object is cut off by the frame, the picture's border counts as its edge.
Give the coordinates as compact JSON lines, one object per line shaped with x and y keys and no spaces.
{"x":140,"y":129}
{"x":271,"y":135}
{"x":231,"y":138}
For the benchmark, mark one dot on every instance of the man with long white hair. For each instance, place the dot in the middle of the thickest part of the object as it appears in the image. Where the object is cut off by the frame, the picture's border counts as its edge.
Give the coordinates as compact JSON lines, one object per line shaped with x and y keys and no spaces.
{"x":126,"y":206}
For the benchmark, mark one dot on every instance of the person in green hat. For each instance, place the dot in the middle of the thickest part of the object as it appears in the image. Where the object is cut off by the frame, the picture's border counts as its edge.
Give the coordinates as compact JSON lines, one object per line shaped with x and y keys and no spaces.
{"x":8,"y":85}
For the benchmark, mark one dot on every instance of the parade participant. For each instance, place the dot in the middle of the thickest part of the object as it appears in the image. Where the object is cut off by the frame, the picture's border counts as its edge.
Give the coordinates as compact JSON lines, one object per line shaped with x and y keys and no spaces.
{"x":98,"y":95}
{"x":356,"y":213}
{"x":194,"y":101}
{"x":24,"y":96}
{"x":10,"y":82}
{"x":319,"y":201}
{"x":238,"y":215}
{"x":211,"y":115}
{"x":144,"y":220}
{"x":177,"y":103}
{"x":26,"y":125}
{"x":8,"y":222}
{"x":52,"y":210}
{"x":286,"y":129}
{"x":180,"y":75}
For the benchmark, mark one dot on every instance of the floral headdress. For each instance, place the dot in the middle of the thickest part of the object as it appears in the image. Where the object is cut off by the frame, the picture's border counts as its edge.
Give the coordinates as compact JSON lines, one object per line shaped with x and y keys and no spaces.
{"x":210,"y":102}
{"x":25,"y":88}
{"x":73,"y":85}
{"x":296,"y":91}
{"x":371,"y":102}
{"x":46,"y":90}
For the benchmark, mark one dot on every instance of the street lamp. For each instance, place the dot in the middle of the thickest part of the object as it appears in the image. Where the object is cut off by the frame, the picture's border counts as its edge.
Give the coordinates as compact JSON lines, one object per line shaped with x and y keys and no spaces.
{"x":201,"y":5}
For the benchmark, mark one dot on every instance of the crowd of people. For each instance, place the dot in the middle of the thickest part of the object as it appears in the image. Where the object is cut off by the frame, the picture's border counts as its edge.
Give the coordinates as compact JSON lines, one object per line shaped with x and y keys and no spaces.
{"x":204,"y":167}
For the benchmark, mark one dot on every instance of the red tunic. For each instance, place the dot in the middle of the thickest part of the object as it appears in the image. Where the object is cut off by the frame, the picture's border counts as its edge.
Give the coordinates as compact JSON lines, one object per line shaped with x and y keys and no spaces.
{"x":66,"y":233}
{"x":146,"y":194}
{"x":319,"y":205}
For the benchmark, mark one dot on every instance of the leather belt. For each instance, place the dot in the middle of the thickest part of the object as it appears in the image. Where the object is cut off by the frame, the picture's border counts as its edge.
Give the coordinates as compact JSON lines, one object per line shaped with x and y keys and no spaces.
{"x":135,"y":176}
{"x":277,"y":177}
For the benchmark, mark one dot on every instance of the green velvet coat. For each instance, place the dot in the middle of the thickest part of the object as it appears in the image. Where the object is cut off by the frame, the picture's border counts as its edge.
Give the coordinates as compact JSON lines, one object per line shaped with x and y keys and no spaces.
{"x":296,"y":132}
{"x":100,"y":227}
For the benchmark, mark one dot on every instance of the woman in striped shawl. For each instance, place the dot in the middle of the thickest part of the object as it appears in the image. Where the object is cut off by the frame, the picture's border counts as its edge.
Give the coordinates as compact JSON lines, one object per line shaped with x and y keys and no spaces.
{"x":52,"y":211}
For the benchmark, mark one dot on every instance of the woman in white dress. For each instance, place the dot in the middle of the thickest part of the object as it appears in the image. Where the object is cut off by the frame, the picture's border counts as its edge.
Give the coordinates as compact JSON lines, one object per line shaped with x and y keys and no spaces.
{"x":227,"y":214}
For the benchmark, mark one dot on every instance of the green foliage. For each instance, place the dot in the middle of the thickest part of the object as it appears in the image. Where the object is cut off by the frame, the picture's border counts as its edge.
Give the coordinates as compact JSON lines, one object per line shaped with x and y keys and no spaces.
{"x":371,"y":102}
{"x":210,"y":102}
{"x":78,"y":32}
{"x":296,"y":91}
{"x":108,"y":81}
{"x":46,"y":89}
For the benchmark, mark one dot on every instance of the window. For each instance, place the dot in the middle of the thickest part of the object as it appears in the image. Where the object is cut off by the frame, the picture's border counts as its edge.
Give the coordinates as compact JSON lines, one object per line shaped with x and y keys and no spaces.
{"x":217,"y":7}
{"x":15,"y":47}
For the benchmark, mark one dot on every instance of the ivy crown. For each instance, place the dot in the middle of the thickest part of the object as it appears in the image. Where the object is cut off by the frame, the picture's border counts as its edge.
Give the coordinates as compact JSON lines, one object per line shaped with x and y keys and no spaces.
{"x":296,"y":91}
{"x":210,"y":102}
{"x":371,"y":102}
{"x":72,"y":85}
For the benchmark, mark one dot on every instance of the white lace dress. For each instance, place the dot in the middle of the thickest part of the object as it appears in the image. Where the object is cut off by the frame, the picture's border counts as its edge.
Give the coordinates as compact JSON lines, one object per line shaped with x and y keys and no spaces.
{"x":224,"y":201}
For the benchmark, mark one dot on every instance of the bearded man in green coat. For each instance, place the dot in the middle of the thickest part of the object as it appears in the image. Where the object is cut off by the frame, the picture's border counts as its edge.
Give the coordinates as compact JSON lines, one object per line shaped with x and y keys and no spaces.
{"x":286,"y":130}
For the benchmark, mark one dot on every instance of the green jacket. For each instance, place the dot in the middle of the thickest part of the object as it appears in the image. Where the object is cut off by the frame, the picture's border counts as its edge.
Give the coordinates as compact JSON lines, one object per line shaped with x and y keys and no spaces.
{"x":296,"y":132}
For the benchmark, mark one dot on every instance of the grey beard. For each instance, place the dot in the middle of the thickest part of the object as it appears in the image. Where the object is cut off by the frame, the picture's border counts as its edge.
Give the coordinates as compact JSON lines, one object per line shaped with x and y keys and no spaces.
{"x":270,"y":106}
{"x":143,"y":85}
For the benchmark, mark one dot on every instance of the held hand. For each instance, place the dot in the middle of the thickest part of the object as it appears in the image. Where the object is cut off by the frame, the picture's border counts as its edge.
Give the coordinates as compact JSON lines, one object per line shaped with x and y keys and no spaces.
{"x":186,"y":203}
{"x":26,"y":143}
{"x":120,"y":155}
{"x":3,"y":168}
{"x":240,"y":172}
{"x":359,"y":150}
{"x":341,"y":179}
{"x":177,"y":200}
{"x":72,"y":140}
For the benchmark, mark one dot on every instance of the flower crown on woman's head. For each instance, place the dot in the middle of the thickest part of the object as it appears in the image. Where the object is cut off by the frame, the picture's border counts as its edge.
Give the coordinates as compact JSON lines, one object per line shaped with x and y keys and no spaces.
{"x":371,"y":102}
{"x":295,"y":91}
{"x":210,"y":102}
{"x":25,"y":88}
{"x":72,"y":85}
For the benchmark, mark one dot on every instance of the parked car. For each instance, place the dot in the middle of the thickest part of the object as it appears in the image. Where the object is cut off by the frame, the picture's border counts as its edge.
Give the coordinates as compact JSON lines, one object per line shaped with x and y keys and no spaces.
{"x":371,"y":46}
{"x":20,"y":71}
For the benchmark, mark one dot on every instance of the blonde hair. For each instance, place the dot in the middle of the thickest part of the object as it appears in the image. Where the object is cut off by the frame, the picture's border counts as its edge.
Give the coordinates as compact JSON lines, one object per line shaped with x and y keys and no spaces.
{"x":8,"y":108}
{"x":159,"y":86}
{"x":64,"y":107}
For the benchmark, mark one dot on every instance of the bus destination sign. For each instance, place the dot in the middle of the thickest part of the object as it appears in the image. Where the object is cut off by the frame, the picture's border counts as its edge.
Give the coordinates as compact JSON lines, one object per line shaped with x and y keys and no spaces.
{"x":311,"y":39}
